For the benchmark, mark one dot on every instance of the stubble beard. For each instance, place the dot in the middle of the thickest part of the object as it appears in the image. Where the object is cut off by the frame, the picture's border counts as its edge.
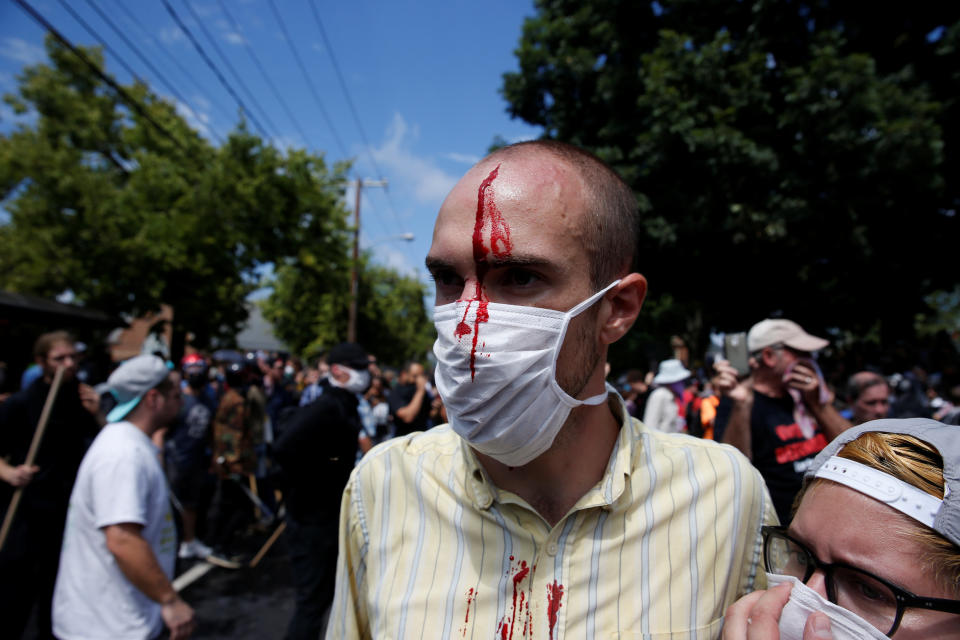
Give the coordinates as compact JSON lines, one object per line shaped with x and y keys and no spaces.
{"x":574,"y":372}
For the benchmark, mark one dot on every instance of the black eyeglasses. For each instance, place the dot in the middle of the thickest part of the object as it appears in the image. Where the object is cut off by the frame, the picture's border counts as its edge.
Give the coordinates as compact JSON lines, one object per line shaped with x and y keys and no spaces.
{"x":874,"y":599}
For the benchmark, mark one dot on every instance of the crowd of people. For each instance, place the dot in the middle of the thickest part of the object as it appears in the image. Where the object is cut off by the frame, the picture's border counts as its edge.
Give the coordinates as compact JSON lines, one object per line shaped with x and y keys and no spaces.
{"x":422,"y":502}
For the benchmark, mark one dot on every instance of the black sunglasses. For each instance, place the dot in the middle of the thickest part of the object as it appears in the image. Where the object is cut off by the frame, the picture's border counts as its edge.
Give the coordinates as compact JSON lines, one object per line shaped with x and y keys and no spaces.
{"x":874,"y":599}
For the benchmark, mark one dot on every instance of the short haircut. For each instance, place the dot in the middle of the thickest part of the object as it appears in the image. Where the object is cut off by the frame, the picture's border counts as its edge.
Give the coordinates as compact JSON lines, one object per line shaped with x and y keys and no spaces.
{"x":45,"y":342}
{"x":612,"y":207}
{"x":860,"y":382}
{"x":167,"y":385}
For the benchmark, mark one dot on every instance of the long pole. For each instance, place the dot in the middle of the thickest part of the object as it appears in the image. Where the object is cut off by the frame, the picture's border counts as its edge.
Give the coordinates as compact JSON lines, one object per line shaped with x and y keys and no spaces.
{"x":354,"y":276}
{"x":355,"y":267}
{"x":32,"y":452}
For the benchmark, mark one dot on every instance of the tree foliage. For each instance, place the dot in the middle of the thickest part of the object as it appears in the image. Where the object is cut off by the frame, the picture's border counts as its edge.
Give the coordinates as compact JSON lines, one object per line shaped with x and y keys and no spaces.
{"x":127,"y":217}
{"x":791,"y":157}
{"x":310,"y":302}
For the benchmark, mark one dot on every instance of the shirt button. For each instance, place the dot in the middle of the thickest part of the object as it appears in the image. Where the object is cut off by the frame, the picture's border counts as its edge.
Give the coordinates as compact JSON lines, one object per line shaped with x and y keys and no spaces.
{"x":552,"y":548}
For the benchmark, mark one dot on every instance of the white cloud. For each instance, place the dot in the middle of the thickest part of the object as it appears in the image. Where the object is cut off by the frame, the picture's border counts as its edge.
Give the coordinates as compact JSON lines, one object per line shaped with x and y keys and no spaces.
{"x":22,"y":51}
{"x":463,"y":158}
{"x":233,"y":38}
{"x":286,"y":143}
{"x":170,"y":35}
{"x":195,"y":116}
{"x":429,"y":183}
{"x":394,"y":259}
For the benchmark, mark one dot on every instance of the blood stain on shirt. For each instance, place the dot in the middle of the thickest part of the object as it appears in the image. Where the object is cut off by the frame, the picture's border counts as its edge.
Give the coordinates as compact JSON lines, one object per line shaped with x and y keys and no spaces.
{"x":471,"y":597}
{"x":554,"y":596}
{"x":521,"y":606}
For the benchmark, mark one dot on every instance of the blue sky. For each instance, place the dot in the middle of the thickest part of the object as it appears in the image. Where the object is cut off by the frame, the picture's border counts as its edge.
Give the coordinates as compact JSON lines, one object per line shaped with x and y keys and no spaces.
{"x":423,"y":77}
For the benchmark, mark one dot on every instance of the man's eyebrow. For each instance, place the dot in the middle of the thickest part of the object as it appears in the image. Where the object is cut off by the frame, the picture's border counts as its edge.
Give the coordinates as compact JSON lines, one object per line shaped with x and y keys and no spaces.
{"x":518,"y":261}
{"x":436,"y":264}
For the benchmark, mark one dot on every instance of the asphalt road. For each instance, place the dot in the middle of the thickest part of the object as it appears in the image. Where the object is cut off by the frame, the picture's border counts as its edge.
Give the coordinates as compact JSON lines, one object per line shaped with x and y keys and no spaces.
{"x":243,"y":603}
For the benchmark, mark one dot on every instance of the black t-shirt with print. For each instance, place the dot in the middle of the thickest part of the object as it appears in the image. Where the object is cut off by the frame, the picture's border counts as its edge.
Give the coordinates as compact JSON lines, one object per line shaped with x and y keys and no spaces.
{"x":780,"y":452}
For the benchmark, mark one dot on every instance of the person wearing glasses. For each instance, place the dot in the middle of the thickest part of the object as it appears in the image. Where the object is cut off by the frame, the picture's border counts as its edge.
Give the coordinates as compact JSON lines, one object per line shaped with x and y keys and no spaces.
{"x":873,"y":549}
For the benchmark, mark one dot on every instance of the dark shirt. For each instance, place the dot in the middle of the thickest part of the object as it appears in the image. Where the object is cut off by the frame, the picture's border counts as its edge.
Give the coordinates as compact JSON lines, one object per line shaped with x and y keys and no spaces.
{"x":317,"y":450}
{"x":780,"y":452}
{"x":400,"y":396}
{"x":70,"y":430}
{"x":188,"y":441}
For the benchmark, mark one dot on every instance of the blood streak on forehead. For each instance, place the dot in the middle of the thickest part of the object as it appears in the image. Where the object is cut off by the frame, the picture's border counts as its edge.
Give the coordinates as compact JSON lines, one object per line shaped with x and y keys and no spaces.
{"x":489,"y":217}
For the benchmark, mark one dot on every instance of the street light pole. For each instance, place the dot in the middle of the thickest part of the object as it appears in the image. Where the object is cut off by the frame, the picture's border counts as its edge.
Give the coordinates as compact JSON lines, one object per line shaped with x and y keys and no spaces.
{"x":354,"y":275}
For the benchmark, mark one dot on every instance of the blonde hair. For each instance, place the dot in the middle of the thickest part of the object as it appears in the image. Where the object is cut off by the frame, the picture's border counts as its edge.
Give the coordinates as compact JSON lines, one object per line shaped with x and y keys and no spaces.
{"x":919,"y":464}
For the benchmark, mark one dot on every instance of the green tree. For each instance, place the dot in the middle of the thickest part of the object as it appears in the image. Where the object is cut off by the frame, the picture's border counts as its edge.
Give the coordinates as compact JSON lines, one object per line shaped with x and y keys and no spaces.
{"x":787,"y":157}
{"x":310,"y":301}
{"x":127,"y":217}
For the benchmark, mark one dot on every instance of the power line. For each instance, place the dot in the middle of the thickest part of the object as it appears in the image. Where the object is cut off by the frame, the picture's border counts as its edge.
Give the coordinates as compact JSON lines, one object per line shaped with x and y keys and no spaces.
{"x":236,"y":76}
{"x":213,"y":67}
{"x":309,"y":81}
{"x":196,"y":84}
{"x":343,"y":86}
{"x":126,"y":97}
{"x":353,"y":110}
{"x":263,"y":73}
{"x":143,"y":59}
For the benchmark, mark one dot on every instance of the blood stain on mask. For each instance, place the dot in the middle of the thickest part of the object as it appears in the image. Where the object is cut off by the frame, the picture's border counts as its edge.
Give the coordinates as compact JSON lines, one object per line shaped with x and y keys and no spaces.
{"x":489,"y":216}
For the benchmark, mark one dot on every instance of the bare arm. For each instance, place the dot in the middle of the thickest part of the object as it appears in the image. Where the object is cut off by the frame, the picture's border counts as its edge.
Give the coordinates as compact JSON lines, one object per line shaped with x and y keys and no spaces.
{"x":138,"y":563}
{"x":737,"y":432}
{"x":409,"y":413}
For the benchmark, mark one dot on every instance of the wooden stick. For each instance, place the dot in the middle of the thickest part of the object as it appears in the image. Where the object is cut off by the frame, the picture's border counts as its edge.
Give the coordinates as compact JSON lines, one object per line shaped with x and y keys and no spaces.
{"x":32,"y":452}
{"x":253,"y":489}
{"x":266,"y":545}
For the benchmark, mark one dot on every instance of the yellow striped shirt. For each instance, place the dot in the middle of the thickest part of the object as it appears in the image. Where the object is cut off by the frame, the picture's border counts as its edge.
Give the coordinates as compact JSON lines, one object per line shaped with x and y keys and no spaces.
{"x":429,"y":548}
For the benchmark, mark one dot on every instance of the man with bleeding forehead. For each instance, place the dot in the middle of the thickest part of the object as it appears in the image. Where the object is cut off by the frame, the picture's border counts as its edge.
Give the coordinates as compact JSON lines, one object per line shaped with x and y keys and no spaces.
{"x":542,"y":510}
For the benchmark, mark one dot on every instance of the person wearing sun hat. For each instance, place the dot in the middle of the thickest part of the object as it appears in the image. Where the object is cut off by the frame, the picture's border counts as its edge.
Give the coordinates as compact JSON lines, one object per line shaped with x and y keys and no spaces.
{"x":664,"y":406}
{"x":119,"y":547}
{"x":782,"y":415}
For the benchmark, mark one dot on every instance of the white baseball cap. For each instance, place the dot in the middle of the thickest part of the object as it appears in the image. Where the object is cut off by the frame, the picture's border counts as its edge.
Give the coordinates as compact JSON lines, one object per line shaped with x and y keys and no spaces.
{"x":770,"y":332}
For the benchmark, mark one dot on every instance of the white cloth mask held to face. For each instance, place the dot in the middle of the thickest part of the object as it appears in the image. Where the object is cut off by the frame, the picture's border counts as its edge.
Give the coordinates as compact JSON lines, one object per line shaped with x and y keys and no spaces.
{"x":358,"y":382}
{"x":844,"y":624}
{"x":508,"y":404}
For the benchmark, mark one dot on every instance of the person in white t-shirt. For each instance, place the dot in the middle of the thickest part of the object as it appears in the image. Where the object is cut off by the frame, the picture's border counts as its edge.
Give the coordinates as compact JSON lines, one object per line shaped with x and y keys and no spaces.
{"x":119,"y":546}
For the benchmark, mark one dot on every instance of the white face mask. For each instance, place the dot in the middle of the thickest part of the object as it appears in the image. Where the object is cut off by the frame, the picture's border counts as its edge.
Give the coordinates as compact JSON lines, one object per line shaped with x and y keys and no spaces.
{"x":357,"y":382}
{"x":844,"y":625}
{"x":497,"y":377}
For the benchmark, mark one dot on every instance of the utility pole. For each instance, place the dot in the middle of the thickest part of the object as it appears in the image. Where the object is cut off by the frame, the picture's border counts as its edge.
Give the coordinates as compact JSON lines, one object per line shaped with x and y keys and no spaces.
{"x":354,"y":272}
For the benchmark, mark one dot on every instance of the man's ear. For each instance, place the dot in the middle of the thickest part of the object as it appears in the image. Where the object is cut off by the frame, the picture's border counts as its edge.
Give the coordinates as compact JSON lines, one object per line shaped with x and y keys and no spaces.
{"x":624,"y":302}
{"x":768,"y":357}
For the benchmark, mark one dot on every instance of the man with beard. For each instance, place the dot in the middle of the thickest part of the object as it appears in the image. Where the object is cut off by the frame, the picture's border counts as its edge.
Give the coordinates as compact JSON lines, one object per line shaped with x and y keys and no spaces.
{"x":543,"y":509}
{"x":31,"y":552}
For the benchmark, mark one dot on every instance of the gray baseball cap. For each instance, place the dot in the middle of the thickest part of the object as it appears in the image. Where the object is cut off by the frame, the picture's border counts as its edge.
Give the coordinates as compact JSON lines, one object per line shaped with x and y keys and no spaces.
{"x":944,"y":516}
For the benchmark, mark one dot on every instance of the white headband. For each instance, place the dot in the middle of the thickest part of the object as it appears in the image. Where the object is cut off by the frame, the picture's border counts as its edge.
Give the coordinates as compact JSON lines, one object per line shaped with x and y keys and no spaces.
{"x":881,"y":486}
